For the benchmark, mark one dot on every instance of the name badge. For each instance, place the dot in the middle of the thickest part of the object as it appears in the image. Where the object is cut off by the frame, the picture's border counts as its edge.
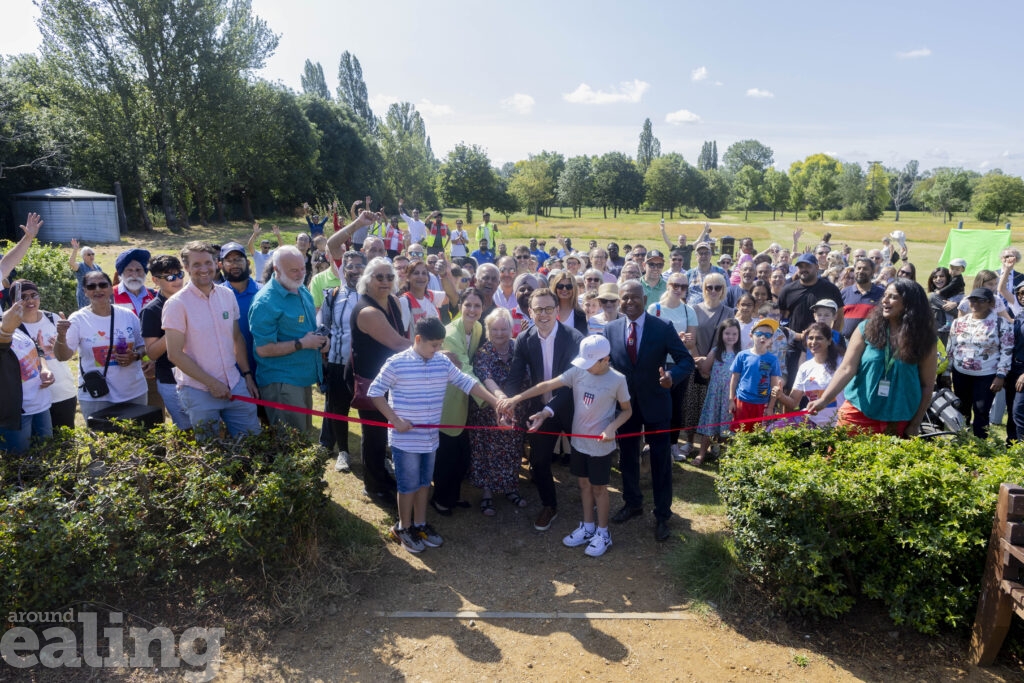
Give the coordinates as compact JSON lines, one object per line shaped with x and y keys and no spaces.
{"x":883,"y":388}
{"x":302,"y":318}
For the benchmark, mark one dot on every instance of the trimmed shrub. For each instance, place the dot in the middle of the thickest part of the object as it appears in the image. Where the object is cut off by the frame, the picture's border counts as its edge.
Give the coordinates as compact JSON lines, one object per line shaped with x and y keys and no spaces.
{"x":822,"y":517}
{"x":101,"y":512}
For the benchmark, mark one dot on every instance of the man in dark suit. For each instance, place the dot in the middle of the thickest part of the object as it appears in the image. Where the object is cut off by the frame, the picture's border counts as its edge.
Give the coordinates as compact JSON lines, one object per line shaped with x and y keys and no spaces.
{"x":640,"y":344}
{"x":543,"y":352}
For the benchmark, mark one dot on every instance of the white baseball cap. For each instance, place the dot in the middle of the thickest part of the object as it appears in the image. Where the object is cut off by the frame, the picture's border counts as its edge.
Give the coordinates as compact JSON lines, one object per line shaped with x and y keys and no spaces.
{"x":592,"y":349}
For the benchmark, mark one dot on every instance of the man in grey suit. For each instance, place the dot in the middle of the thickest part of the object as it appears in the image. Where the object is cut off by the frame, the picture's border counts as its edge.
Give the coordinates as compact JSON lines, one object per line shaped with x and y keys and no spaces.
{"x":640,"y":344}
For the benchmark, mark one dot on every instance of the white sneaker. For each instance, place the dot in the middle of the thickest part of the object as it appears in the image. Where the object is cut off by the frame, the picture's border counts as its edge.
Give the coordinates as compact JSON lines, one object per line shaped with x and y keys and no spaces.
{"x":341,"y":464}
{"x":389,"y":464}
{"x":578,"y":537}
{"x":685,"y":449}
{"x":677,"y":453}
{"x":599,"y":543}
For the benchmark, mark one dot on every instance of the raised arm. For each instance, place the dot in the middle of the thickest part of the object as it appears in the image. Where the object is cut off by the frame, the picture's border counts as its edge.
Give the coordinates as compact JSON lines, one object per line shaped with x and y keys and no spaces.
{"x":73,"y":258}
{"x":336,"y":242}
{"x":250,"y":246}
{"x":12,"y":258}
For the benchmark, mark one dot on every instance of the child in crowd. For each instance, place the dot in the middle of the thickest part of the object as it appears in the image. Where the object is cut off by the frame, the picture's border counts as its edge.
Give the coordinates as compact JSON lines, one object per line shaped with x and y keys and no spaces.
{"x":415,"y":381}
{"x":754,"y":372}
{"x":745,"y":315}
{"x":814,"y":376}
{"x":717,"y":367}
{"x":597,"y":390}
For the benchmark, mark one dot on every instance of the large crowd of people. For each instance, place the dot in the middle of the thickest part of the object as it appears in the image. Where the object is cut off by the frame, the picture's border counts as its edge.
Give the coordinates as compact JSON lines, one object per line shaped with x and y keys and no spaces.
{"x":586,"y":357}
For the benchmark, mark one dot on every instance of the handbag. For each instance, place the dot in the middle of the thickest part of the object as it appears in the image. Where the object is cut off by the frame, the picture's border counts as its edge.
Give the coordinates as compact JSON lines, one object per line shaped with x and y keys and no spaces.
{"x":360,"y":401}
{"x":95,"y":382}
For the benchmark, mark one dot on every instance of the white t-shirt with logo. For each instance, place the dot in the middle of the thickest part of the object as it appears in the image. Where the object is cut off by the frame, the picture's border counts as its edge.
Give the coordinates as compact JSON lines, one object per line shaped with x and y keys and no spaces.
{"x":595,"y":397}
{"x":44,"y":333}
{"x":89,"y":334}
{"x":813,"y":378}
{"x":35,"y":399}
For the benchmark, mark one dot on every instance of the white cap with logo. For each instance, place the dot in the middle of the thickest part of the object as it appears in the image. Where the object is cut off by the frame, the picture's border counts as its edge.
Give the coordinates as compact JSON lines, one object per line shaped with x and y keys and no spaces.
{"x":592,"y":349}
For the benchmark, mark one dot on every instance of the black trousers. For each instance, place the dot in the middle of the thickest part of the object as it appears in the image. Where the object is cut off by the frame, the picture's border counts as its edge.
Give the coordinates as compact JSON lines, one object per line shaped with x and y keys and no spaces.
{"x":338,"y":400}
{"x":975,"y":396}
{"x":62,"y":413}
{"x":451,"y":465}
{"x":376,"y":478}
{"x":542,"y":446}
{"x":661,"y":464}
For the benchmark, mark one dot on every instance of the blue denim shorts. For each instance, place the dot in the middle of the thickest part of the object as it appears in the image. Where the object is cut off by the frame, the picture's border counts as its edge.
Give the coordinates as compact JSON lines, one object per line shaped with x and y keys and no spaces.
{"x":413,"y":471}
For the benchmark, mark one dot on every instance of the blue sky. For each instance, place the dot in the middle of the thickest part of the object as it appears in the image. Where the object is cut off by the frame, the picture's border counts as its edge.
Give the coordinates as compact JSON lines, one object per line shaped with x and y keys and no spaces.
{"x":935,"y":81}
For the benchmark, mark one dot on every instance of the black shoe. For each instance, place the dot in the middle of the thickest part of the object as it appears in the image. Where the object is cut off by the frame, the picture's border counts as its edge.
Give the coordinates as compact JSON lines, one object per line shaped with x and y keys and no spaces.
{"x":443,"y":511}
{"x":662,"y":532}
{"x":626,"y":513}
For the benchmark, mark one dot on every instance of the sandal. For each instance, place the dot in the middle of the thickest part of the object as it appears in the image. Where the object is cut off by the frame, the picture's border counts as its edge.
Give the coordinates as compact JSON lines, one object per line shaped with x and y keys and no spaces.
{"x":487,"y":507}
{"x":699,"y":460}
{"x":516,"y":499}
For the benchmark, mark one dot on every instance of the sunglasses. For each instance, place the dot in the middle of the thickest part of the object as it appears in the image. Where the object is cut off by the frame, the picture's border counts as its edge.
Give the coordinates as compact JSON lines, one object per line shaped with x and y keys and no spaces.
{"x":593,"y":279}
{"x":679,"y":285}
{"x":714,"y":288}
{"x":173,"y":277}
{"x":96,"y":285}
{"x":29,"y":296}
{"x":904,"y":273}
{"x":763,"y":335}
{"x":564,"y":286}
{"x":381,"y":277}
{"x":544,"y":310}
{"x":522,"y":258}
{"x":655,"y":264}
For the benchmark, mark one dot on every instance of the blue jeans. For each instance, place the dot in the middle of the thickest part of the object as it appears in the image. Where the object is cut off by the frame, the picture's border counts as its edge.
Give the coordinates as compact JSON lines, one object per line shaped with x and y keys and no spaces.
{"x":18,"y":440}
{"x":413,"y":471}
{"x":206,"y":412}
{"x":172,"y":402}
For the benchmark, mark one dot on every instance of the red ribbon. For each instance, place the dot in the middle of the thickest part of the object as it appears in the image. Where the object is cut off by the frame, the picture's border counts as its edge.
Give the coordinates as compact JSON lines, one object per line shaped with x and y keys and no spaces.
{"x":377,"y":423}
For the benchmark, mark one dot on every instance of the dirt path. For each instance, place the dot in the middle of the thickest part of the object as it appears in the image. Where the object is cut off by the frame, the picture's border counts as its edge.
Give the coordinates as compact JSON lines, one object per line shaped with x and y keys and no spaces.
{"x":501,"y":564}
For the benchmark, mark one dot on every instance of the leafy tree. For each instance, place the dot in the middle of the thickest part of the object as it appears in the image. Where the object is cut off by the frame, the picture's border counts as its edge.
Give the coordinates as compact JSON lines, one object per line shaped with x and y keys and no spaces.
{"x":555,"y":163}
{"x":507,"y":169}
{"x":748,"y":153}
{"x":997,"y":195}
{"x":617,"y":182}
{"x":876,"y":189}
{"x":946,"y":190}
{"x":504,"y":202}
{"x":902,"y":184}
{"x":313,"y":81}
{"x":708,"y":191}
{"x":348,"y":161}
{"x":467,"y":179}
{"x":532,"y":183}
{"x":164,"y":56}
{"x":665,"y":183}
{"x":797,"y":189}
{"x":851,"y":184}
{"x":746,"y":187}
{"x":352,"y":89}
{"x":818,"y":177}
{"x":776,"y":190}
{"x":708,"y":158}
{"x":649,"y":148}
{"x":408,"y":162}
{"x":576,"y":184}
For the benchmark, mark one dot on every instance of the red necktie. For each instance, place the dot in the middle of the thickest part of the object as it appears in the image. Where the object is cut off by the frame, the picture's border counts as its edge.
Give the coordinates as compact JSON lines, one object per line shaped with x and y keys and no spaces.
{"x":631,"y":343}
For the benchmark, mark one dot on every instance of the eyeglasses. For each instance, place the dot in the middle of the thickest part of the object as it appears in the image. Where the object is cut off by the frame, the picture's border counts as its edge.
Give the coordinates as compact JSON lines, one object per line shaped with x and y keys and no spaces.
{"x":544,"y":310}
{"x":714,"y":288}
{"x":564,"y":286}
{"x":96,"y":285}
{"x":381,"y":277}
{"x":506,"y":269}
{"x":416,"y":254}
{"x":240,"y":261}
{"x":28,"y":296}
{"x":655,"y":264}
{"x":592,"y":279}
{"x":640,"y":254}
{"x":171,"y":277}
{"x":764,"y":335}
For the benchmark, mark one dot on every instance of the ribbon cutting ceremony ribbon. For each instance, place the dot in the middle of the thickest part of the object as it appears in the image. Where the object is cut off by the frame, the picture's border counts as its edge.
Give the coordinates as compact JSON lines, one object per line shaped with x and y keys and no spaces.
{"x":378,"y":423}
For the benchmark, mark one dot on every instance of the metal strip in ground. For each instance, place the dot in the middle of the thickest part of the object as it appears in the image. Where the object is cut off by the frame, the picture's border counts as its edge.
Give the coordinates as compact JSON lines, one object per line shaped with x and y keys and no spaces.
{"x":468,"y":614}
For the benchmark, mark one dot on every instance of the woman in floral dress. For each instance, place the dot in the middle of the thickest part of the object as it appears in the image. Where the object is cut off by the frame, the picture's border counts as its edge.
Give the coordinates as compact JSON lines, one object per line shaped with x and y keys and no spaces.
{"x":495,"y":455}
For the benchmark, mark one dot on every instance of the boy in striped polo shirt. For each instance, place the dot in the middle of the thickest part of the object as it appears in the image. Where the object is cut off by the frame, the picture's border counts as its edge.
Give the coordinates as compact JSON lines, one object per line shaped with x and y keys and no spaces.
{"x":415,"y":381}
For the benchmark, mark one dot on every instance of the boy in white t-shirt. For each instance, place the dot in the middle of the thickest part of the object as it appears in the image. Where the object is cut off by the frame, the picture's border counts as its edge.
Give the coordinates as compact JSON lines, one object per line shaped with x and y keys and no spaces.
{"x":596,"y":389}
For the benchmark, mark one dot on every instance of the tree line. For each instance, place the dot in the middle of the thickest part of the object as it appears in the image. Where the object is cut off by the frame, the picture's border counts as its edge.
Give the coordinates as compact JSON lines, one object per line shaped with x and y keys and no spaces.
{"x":162,"y":97}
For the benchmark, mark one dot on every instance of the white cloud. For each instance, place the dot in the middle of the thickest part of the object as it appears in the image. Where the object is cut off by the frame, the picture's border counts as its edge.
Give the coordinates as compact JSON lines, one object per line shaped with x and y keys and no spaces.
{"x":428,"y":108}
{"x":985,"y":164}
{"x":915,"y":54}
{"x":699,"y":74}
{"x":719,"y":83}
{"x":681,"y":116}
{"x":381,"y":102}
{"x":757,"y":92}
{"x":520,"y":103}
{"x":629,"y":91}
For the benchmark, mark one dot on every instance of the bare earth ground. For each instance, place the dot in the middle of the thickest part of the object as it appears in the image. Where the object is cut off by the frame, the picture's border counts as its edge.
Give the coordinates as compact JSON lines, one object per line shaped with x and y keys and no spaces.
{"x":502,"y":564}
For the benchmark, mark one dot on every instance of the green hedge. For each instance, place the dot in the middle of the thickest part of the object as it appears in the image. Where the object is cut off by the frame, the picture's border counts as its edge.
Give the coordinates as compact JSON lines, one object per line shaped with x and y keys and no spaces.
{"x":101,"y":512}
{"x":47,"y":266}
{"x":822,"y":517}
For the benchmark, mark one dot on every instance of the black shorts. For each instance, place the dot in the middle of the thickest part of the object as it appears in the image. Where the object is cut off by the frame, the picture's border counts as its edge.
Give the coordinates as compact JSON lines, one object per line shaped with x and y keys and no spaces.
{"x":596,"y":468}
